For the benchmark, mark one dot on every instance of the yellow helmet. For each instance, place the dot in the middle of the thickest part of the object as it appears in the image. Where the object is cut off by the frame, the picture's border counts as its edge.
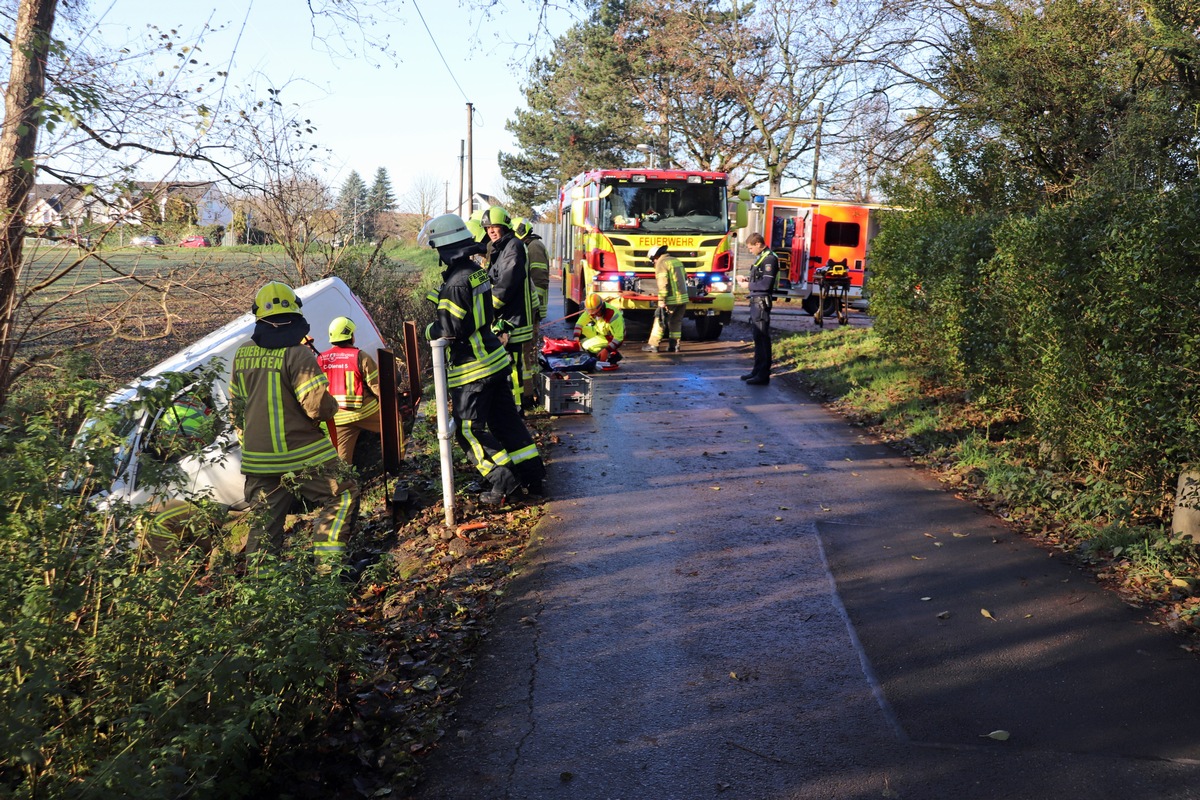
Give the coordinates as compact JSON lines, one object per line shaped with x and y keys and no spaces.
{"x":476,"y":230}
{"x":593,"y":303}
{"x":341,"y":330}
{"x":496,"y":216}
{"x":521,"y":227}
{"x":275,"y":298}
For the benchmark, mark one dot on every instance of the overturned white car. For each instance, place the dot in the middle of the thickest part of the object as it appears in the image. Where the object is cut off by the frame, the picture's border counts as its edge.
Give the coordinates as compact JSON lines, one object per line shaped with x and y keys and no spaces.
{"x":186,"y":397}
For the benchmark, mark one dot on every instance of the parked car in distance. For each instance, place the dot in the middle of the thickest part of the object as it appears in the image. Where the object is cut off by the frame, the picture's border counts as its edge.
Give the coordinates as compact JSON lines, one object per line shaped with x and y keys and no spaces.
{"x":146,"y":241}
{"x":195,"y":241}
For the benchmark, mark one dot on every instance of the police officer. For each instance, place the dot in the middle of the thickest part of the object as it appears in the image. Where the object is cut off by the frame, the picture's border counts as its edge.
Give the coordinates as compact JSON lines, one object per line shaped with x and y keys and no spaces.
{"x":489,"y":428}
{"x":762,"y":291}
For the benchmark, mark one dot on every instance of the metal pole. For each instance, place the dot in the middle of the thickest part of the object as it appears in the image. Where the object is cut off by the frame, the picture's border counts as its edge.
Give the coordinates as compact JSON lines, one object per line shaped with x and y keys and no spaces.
{"x":470,"y":161}
{"x":462,"y":156}
{"x":441,"y":395}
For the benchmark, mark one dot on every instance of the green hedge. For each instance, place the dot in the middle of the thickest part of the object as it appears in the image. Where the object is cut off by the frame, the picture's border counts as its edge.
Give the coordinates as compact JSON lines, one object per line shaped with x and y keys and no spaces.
{"x":1081,"y":319}
{"x":121,"y":677}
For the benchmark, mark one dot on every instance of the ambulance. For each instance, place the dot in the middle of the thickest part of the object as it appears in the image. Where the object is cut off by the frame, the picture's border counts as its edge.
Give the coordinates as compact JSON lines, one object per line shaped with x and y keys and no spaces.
{"x":808,"y":234}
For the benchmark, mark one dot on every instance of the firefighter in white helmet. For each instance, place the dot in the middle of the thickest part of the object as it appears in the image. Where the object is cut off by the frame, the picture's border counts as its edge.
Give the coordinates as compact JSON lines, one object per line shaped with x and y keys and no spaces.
{"x":280,"y":398}
{"x":489,"y":428}
{"x":354,"y":382}
{"x":672,"y":300}
{"x":600,"y":329}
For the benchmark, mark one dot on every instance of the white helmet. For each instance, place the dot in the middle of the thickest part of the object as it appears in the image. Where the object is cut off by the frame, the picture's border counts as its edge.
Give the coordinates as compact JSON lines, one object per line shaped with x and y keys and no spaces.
{"x":446,"y":230}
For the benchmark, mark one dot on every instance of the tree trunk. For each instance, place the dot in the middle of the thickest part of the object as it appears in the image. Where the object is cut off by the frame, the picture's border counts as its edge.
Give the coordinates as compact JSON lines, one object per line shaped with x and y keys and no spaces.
{"x":18,"y":144}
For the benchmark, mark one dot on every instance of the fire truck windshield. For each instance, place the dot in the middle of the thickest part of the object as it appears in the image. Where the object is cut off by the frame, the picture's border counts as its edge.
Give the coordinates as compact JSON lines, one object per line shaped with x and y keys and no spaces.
{"x":662,"y":207}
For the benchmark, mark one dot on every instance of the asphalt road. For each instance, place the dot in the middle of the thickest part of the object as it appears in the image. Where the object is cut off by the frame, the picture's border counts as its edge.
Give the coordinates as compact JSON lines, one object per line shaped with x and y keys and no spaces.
{"x":735,"y":594}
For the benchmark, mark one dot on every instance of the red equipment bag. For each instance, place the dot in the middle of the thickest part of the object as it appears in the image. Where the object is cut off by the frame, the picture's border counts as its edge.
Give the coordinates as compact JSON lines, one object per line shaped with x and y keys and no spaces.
{"x":553,"y":347}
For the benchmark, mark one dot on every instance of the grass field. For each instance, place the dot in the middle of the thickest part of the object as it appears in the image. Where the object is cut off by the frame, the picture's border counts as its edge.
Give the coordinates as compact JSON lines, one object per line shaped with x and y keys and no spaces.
{"x":137,"y":306}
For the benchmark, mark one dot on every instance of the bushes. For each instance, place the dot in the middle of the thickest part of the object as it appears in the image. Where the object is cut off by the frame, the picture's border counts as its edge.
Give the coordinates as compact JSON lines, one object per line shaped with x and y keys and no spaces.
{"x":1082,"y":318}
{"x":124,"y":678}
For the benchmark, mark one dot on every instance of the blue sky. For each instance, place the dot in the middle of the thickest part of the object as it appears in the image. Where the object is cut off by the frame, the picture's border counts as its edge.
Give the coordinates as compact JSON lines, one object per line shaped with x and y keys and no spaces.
{"x":408,"y":117}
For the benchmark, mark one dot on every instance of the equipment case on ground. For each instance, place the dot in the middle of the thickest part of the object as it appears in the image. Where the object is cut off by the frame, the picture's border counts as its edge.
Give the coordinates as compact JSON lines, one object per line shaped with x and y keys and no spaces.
{"x":566,"y":392}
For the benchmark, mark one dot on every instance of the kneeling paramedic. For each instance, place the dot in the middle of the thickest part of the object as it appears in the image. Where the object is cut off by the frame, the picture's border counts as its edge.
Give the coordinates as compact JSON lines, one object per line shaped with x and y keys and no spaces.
{"x":280,"y":398}
{"x":600,"y":329}
{"x":488,"y":426}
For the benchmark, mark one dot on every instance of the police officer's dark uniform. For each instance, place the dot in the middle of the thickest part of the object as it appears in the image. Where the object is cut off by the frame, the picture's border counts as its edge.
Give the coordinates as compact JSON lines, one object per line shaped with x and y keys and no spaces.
{"x":762,"y":288}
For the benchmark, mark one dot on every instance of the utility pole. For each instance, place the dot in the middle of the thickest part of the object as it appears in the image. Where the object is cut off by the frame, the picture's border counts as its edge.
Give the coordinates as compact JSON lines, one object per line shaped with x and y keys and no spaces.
{"x":462,"y":156}
{"x":817,"y":147}
{"x":470,"y":162}
{"x":446,"y":201}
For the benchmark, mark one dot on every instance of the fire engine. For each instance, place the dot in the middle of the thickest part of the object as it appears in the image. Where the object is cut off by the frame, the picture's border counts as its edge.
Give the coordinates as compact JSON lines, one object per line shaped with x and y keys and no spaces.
{"x":609,"y":219}
{"x":808,"y":234}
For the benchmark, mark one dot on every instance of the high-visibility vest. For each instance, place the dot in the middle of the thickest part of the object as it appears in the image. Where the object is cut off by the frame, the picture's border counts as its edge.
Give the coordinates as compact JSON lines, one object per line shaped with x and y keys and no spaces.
{"x":353,"y":379}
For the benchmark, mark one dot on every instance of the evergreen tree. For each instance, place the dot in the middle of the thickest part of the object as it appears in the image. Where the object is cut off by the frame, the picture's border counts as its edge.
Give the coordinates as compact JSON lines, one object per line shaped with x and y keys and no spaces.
{"x":380,"y":201}
{"x":581,"y":114}
{"x":352,"y":207}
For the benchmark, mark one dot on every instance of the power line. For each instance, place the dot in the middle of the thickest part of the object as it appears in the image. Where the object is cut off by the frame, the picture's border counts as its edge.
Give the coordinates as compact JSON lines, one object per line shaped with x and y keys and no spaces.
{"x":439,"y":51}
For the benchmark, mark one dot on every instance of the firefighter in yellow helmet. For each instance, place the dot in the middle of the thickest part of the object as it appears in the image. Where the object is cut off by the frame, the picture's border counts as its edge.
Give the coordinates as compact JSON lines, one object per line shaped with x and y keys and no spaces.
{"x":354,"y":382}
{"x":538,"y":264}
{"x":512,"y":301}
{"x":600,"y":329}
{"x":280,"y":398}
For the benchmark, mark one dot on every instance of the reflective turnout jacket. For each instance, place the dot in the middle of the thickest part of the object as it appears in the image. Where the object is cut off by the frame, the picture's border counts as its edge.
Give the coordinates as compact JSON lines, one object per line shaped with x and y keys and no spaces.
{"x":464,"y":315}
{"x":353,"y":381}
{"x":538,"y":261}
{"x":511,"y":294}
{"x":607,"y":329}
{"x":280,"y":397}
{"x":672,"y":281}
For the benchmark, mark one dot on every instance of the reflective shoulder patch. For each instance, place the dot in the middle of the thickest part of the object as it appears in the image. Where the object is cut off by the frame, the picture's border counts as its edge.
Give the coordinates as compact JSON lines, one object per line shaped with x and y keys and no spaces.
{"x":479,"y":278}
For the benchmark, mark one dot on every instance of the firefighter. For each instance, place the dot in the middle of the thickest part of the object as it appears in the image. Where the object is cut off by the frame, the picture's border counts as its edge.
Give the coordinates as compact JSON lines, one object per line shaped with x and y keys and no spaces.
{"x":600,"y":329}
{"x":280,"y":398}
{"x":672,"y":300}
{"x":538,"y":261}
{"x":184,"y":427}
{"x":762,"y":292}
{"x":354,"y":383}
{"x":488,"y":426}
{"x":539,"y":266}
{"x":512,"y":303}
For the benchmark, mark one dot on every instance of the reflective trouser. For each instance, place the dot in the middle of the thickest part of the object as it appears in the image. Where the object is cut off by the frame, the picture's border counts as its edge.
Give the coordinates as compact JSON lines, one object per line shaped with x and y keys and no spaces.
{"x":347,"y":434}
{"x":760,"y":323}
{"x":517,"y":379}
{"x":171,"y":522}
{"x":271,"y":499}
{"x":529,"y":369}
{"x":675,"y":316}
{"x":493,"y":435}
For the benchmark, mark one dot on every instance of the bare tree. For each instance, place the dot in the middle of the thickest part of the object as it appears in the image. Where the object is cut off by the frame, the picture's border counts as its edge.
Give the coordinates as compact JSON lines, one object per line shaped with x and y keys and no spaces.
{"x":423,"y":201}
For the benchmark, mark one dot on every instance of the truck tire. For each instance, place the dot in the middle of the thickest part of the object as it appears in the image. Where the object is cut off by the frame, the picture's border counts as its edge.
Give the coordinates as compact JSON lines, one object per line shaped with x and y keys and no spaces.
{"x":708,"y":329}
